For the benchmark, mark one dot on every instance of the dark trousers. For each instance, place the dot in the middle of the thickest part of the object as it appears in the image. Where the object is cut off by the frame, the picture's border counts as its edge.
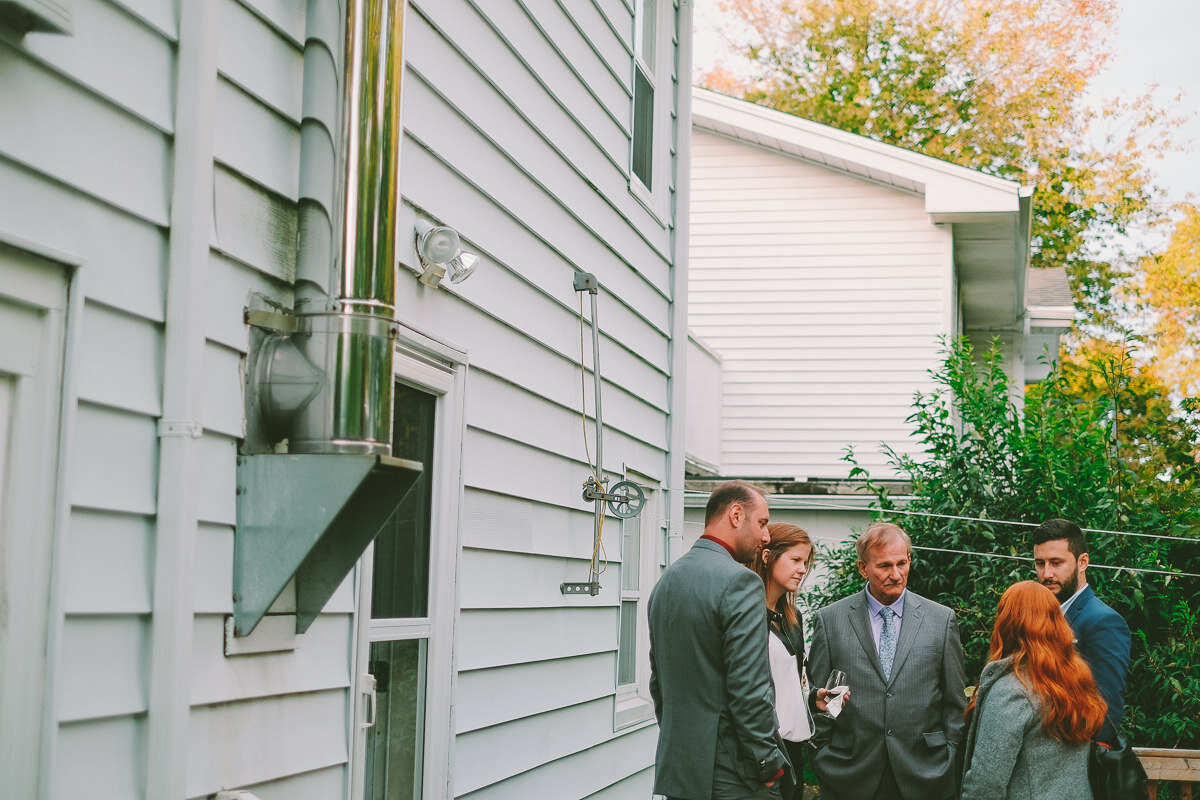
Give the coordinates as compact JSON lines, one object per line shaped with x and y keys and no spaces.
{"x":795,"y":754}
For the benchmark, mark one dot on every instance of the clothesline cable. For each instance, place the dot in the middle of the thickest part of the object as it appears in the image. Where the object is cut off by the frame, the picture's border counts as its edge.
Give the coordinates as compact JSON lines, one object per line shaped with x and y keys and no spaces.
{"x":816,"y":505}
{"x":977,"y":554}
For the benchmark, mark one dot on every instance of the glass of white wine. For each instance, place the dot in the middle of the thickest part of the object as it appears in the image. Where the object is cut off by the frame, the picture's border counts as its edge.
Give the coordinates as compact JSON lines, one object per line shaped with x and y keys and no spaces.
{"x":836,"y":683}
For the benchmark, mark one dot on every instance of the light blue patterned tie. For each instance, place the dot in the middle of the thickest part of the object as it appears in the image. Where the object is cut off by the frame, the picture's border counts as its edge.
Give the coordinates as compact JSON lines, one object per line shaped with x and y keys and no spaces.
{"x":887,"y":641}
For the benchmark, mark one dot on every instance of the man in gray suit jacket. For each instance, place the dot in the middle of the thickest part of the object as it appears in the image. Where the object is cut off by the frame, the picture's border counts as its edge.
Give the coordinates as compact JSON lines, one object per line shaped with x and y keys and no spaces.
{"x":709,"y":671}
{"x":900,"y":738}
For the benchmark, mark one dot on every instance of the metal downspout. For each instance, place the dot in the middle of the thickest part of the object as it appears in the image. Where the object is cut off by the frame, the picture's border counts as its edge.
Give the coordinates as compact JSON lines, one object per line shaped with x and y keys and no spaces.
{"x":179,"y":428}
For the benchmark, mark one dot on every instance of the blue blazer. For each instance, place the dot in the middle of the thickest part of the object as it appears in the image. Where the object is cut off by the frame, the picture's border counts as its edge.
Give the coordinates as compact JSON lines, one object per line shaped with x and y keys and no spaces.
{"x":1102,"y":638}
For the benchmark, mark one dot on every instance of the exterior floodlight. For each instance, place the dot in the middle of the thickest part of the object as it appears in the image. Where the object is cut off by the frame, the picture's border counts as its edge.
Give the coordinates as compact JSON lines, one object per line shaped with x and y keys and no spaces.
{"x":439,"y":250}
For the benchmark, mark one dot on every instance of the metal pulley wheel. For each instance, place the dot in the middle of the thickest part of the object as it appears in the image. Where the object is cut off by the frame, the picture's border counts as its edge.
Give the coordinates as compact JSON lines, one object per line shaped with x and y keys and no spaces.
{"x":626,"y":499}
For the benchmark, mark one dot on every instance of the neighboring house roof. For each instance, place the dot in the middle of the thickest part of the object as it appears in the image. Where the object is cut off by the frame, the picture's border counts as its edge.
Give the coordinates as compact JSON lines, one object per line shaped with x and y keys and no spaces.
{"x":1048,"y":288}
{"x":991,"y":216}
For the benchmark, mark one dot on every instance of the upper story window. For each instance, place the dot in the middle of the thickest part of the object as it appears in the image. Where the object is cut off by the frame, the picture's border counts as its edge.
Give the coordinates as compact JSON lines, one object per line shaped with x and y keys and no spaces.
{"x":650,"y":126}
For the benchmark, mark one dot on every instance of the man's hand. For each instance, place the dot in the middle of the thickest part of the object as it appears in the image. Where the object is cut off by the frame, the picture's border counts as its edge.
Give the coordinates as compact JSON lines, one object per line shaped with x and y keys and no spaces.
{"x":823,"y":698}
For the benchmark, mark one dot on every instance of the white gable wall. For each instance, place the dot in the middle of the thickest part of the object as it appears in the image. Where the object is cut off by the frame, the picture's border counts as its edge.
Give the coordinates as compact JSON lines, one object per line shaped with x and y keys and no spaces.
{"x":824,"y":295}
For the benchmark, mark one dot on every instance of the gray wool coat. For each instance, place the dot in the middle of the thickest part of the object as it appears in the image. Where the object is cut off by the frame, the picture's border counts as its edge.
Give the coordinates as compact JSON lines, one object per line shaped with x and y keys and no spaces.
{"x":1008,"y":756}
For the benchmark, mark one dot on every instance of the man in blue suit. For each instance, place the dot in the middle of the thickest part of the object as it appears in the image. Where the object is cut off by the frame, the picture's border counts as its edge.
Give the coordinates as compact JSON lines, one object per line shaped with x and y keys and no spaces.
{"x":709,"y":670}
{"x":1101,"y":635}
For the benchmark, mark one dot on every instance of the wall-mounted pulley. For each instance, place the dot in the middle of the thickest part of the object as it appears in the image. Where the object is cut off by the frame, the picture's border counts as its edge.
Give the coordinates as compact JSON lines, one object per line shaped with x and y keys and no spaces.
{"x":625,"y":500}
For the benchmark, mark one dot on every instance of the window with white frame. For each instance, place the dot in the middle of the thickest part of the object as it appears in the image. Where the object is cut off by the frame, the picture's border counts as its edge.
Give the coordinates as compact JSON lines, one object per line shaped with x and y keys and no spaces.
{"x":641,"y":540}
{"x":651,"y":90}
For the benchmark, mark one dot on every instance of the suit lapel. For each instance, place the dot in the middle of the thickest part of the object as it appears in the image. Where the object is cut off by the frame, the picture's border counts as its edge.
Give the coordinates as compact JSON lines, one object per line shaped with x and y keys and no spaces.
{"x":1077,"y":607}
{"x":861,"y":624}
{"x":910,"y":623}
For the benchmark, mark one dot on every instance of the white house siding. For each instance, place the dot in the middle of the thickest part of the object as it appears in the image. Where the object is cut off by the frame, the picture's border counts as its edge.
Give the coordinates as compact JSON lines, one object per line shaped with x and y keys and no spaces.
{"x":517,"y":134}
{"x":824,"y":295}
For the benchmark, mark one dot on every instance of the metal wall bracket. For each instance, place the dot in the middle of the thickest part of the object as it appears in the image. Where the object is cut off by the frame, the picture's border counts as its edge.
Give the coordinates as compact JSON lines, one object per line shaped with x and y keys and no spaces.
{"x":308,"y":516}
{"x":592,"y":588}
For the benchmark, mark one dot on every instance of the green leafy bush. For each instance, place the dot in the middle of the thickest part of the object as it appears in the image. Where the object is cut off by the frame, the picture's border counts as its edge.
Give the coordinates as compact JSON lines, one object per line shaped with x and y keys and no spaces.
{"x":1097,"y":443}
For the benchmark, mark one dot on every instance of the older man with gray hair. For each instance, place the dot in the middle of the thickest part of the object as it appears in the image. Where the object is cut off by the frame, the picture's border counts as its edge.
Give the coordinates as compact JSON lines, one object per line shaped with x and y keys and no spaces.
{"x":900,"y":738}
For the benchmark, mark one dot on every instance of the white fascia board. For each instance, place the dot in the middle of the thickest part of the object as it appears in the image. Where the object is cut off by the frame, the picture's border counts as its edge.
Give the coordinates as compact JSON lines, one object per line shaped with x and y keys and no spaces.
{"x":948,"y":188}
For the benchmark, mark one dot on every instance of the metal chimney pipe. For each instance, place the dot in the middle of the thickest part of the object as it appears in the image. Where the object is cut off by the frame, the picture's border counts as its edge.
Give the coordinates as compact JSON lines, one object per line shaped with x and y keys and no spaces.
{"x":345,"y":282}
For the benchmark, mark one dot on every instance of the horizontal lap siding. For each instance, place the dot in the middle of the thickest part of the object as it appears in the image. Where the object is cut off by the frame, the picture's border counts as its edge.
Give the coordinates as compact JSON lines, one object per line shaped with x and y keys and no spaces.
{"x":824,"y":295}
{"x":87,"y":170}
{"x":517,"y":122}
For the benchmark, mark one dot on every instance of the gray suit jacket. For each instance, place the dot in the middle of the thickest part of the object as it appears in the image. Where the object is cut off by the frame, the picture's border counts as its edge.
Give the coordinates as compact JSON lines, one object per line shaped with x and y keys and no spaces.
{"x":914,"y":721}
{"x":710,"y":676}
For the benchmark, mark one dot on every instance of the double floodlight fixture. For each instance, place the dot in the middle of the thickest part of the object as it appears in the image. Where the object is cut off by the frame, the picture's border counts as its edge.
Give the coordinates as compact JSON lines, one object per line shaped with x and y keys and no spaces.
{"x":440,"y":252}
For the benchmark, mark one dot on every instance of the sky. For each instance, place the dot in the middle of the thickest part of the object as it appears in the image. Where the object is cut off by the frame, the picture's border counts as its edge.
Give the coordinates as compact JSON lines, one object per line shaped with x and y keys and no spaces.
{"x":1157,"y":42}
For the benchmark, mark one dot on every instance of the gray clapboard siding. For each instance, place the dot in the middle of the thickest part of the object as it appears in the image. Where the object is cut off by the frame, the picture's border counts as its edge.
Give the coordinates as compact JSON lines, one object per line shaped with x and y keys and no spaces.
{"x":640,"y":784}
{"x":107,"y":563}
{"x":162,"y":17}
{"x":120,"y":361}
{"x":286,"y":17}
{"x":218,"y":679}
{"x":492,"y":521}
{"x":493,"y":696}
{"x":253,"y":225}
{"x":216,"y":488}
{"x":500,"y":637}
{"x":511,"y":183}
{"x":100,"y":434}
{"x":256,"y":141}
{"x":113,"y":752}
{"x":549,"y":426}
{"x":496,"y":579}
{"x":493,"y":754}
{"x":229,"y":286}
{"x":452,"y":197}
{"x":111,"y":655}
{"x":260,"y":61}
{"x":598,"y":186}
{"x":223,"y":409}
{"x":329,"y":782}
{"x":140,"y":81}
{"x":559,"y":29}
{"x":604,"y":40}
{"x":227,"y":746}
{"x":214,"y":560}
{"x":69,"y":134}
{"x":577,"y":773}
{"x":124,"y":254}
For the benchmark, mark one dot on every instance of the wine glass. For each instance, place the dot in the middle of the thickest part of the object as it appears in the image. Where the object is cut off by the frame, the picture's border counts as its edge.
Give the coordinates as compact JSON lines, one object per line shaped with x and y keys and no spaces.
{"x":836,"y":683}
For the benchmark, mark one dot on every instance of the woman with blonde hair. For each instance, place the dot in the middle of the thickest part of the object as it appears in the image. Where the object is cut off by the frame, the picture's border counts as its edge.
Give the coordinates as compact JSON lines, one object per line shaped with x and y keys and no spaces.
{"x":1036,"y":708}
{"x":783,"y":564}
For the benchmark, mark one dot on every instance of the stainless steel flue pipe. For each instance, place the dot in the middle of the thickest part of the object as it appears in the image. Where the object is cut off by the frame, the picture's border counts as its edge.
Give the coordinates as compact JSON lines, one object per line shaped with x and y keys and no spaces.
{"x":349,"y":194}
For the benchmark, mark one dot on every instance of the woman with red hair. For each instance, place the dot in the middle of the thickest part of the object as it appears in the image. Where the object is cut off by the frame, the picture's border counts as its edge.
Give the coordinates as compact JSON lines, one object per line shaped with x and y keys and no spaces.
{"x":1036,"y":708}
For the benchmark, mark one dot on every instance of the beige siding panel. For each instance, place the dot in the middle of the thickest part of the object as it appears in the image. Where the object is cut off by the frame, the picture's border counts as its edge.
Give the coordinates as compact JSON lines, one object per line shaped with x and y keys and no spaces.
{"x":120,"y":361}
{"x":222,"y":407}
{"x":493,"y":521}
{"x":253,"y":225}
{"x":71,"y":135}
{"x":111,"y":657}
{"x":494,"y":696}
{"x":214,"y":569}
{"x":518,"y":636}
{"x":101,"y":435}
{"x":100,"y":760}
{"x":255,"y":141}
{"x":502,"y":33}
{"x":602,"y":771}
{"x":491,"y":755}
{"x":141,"y":80}
{"x":318,"y":663}
{"x":229,"y":287}
{"x":107,"y":563}
{"x":125,"y":256}
{"x":241,"y":744}
{"x":260,"y":61}
{"x":491,"y":579}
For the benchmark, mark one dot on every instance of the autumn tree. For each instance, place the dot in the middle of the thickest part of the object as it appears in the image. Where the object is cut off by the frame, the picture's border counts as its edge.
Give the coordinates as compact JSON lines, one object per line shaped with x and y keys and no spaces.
{"x":996,"y":85}
{"x":1166,"y":296}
